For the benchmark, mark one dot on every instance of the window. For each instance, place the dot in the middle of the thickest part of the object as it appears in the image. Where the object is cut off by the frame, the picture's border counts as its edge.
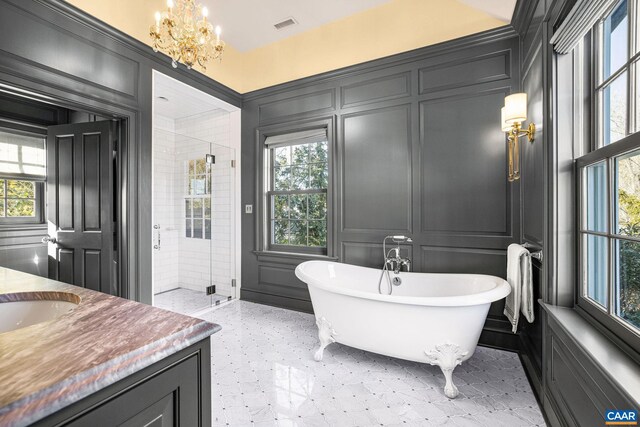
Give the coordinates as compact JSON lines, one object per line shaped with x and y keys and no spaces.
{"x":298,"y":169}
{"x":22,"y":176}
{"x":197,"y":202}
{"x":616,"y":63}
{"x":609,"y":179}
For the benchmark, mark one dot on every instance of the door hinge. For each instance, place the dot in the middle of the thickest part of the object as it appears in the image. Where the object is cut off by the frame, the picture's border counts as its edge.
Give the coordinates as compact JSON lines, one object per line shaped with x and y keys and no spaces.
{"x":233,"y":163}
{"x":211,"y":290}
{"x":211,"y":159}
{"x":233,"y":283}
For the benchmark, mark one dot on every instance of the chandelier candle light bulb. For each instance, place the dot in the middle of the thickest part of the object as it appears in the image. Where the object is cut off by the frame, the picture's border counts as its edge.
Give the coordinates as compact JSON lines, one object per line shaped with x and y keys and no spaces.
{"x":185,"y":35}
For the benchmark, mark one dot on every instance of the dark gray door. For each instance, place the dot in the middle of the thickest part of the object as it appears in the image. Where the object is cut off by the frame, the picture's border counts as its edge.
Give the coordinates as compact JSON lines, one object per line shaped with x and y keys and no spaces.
{"x":80,"y":177}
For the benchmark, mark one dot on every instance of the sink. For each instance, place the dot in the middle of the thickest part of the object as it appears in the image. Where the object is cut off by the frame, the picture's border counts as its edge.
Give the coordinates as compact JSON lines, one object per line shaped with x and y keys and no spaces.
{"x":19,"y":310}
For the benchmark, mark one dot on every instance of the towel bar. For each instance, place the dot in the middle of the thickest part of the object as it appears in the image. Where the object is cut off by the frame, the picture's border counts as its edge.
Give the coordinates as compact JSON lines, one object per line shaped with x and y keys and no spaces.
{"x":535,"y":251}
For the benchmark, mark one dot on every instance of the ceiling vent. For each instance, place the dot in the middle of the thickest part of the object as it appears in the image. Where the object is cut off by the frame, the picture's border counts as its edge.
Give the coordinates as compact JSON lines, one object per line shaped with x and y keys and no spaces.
{"x":284,"y":24}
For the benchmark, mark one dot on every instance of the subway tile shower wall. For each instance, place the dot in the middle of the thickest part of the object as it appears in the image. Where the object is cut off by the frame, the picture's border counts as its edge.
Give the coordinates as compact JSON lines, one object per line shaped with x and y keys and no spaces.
{"x":166,"y":262}
{"x":193,"y":262}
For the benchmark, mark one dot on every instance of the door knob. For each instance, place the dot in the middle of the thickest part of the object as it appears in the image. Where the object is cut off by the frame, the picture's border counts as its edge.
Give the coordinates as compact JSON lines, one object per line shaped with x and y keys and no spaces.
{"x":49,"y":239}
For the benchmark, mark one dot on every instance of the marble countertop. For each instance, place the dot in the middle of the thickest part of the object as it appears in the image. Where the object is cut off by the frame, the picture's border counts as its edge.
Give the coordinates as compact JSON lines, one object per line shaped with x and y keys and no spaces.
{"x":48,"y":366}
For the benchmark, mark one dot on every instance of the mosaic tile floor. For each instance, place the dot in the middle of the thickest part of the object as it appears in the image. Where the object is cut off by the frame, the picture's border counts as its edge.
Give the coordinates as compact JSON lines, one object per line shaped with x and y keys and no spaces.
{"x":264,"y":374}
{"x":185,"y":301}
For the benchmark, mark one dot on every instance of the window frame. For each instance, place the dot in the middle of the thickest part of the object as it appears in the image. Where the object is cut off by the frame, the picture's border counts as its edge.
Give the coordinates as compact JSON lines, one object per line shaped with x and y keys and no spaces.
{"x":594,"y":152}
{"x":40,"y":182}
{"x":631,"y":67}
{"x":262,"y":212}
{"x":39,"y":204}
{"x":605,"y":315}
{"x":269,"y":191}
{"x":207,"y":195}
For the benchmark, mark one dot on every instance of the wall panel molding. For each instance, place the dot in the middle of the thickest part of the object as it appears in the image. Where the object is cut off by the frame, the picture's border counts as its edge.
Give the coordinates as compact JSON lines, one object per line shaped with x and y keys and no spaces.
{"x":465,"y":72}
{"x":470,"y":141}
{"x":376,"y":90}
{"x":299,"y":105}
{"x":375,"y":149}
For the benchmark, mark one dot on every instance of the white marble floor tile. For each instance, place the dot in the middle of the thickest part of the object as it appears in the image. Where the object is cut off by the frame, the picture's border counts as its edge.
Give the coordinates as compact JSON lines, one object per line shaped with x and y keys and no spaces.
{"x":264,"y":374}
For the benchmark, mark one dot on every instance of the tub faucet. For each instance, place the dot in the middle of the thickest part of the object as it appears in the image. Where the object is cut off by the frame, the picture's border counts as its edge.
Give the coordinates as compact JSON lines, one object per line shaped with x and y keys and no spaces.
{"x":393,"y":260}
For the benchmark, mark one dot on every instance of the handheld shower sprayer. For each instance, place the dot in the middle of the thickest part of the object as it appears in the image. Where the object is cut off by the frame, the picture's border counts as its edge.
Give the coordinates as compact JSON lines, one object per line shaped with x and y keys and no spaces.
{"x":399,"y":239}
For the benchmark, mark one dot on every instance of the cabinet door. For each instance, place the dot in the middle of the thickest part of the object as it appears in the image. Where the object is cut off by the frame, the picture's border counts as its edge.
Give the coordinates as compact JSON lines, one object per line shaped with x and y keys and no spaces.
{"x":168,"y":399}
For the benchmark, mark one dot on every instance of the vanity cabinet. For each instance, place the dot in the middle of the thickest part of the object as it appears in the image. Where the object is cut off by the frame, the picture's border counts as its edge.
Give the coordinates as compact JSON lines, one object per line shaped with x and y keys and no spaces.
{"x":176,"y":391}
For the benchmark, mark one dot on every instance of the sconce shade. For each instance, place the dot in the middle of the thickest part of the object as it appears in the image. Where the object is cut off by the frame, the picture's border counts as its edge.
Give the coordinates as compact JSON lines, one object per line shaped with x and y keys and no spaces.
{"x":515,"y":107}
{"x":506,"y":127}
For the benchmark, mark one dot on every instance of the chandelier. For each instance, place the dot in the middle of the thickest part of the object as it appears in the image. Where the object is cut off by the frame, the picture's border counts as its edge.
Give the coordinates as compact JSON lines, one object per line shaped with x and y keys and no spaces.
{"x":183,"y":33}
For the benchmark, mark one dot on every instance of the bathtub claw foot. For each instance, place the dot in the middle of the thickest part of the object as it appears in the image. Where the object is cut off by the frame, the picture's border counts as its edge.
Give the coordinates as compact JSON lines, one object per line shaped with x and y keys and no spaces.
{"x":325,"y":334}
{"x":447,"y":357}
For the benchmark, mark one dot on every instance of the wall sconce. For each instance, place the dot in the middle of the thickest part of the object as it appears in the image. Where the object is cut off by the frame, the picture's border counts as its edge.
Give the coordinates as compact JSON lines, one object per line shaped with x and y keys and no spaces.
{"x":514,"y":113}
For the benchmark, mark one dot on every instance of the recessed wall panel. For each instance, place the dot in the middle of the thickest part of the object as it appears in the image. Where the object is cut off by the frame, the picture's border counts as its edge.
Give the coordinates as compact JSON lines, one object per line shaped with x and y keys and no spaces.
{"x":376,"y":90}
{"x":464,"y":166}
{"x":376,"y":154}
{"x":66,"y":266}
{"x":91,"y":182}
{"x":92,"y":269}
{"x":460,"y":73}
{"x":65,"y":166}
{"x":533,"y":157}
{"x":464,"y":260}
{"x":370,"y":254}
{"x":297,"y":105}
{"x":280,"y":276}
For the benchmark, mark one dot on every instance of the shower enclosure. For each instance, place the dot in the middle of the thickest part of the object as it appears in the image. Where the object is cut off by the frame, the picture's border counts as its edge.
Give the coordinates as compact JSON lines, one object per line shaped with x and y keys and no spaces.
{"x":193,"y":224}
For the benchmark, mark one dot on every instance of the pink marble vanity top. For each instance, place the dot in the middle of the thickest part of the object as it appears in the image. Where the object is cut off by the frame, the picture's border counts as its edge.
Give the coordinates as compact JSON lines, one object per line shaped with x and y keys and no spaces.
{"x":47,"y":366}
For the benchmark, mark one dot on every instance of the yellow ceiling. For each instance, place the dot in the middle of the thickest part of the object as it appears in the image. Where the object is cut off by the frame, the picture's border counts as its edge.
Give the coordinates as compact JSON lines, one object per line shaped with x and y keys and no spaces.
{"x":394,"y":27}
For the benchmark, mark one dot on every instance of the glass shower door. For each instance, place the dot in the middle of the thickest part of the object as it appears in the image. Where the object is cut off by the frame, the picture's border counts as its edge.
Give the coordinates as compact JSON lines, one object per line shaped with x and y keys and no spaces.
{"x":193,"y":223}
{"x":222,"y":223}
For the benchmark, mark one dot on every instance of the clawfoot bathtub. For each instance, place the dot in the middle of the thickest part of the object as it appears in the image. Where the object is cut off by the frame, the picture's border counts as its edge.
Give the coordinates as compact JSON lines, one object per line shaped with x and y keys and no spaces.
{"x":429,"y":318}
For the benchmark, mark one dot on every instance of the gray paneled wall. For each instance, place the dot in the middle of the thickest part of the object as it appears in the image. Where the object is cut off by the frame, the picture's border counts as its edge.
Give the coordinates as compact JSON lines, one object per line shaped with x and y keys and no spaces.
{"x":417,"y":150}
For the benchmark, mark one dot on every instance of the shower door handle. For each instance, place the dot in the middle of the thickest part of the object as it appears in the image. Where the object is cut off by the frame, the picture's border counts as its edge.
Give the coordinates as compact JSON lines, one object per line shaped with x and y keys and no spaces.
{"x":156,"y":246}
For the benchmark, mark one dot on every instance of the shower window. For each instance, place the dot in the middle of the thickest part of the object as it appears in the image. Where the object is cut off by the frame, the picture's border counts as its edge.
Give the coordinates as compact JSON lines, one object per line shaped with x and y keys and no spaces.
{"x":297,"y":193}
{"x":197,"y":202}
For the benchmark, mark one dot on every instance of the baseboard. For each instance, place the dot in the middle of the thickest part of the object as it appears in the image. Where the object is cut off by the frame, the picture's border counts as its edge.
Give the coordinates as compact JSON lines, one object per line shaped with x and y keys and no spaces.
{"x":499,"y":339}
{"x":276,"y":300}
{"x":551,"y":413}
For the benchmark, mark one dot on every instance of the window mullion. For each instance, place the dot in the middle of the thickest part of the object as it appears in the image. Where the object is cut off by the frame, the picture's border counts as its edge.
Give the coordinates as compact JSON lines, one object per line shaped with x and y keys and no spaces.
{"x":610,"y":224}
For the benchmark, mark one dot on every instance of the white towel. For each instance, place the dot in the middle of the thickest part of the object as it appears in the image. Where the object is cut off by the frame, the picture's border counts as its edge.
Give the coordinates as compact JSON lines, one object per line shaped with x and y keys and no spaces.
{"x":519,"y":277}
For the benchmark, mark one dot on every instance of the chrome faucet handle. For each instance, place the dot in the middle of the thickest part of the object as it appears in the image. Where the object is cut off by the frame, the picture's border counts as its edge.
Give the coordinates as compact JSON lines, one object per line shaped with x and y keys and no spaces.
{"x":407,"y":263}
